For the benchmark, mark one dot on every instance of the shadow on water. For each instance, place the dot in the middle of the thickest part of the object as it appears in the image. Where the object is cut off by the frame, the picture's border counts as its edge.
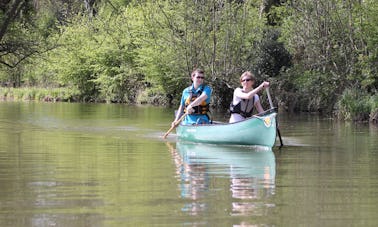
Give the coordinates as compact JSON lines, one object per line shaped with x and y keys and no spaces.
{"x":248,"y":171}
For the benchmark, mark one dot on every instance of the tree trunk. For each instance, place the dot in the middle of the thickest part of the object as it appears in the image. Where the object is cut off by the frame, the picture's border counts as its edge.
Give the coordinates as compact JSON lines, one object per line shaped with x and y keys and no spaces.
{"x":10,"y":15}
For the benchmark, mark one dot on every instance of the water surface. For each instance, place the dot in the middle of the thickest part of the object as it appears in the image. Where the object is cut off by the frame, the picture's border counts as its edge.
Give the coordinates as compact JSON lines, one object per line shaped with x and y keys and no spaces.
{"x":69,"y":164}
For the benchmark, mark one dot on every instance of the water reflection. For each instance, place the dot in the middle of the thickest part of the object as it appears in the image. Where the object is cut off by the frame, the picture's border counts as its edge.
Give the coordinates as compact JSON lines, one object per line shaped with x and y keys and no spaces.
{"x":248,"y":172}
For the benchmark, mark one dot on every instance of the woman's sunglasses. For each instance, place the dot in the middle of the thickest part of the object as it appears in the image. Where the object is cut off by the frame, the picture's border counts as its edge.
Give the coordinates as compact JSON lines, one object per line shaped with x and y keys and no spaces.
{"x":200,"y":77}
{"x":246,"y":80}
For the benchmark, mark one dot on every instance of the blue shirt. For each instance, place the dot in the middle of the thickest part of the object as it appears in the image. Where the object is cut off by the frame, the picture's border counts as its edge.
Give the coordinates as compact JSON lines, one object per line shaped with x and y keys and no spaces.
{"x":196,"y":118}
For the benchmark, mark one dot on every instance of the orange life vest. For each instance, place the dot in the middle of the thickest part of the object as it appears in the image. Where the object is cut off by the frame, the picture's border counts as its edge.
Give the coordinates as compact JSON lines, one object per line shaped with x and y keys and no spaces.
{"x":203,"y":108}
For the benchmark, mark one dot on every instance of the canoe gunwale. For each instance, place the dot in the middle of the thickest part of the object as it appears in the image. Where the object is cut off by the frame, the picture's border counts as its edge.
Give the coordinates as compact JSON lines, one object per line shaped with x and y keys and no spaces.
{"x":219,"y":123}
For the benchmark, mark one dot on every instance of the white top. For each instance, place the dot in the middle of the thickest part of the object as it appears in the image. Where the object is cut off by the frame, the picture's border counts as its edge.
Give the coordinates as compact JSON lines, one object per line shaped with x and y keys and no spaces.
{"x":235,"y":117}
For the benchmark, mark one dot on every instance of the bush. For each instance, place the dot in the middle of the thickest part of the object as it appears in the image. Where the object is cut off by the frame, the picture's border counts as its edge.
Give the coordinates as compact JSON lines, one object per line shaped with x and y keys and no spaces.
{"x":39,"y":94}
{"x":374,"y":109}
{"x":355,"y":105}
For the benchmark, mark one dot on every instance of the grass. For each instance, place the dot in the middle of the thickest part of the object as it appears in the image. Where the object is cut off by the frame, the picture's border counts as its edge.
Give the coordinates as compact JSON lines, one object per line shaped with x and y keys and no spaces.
{"x":38,"y":94}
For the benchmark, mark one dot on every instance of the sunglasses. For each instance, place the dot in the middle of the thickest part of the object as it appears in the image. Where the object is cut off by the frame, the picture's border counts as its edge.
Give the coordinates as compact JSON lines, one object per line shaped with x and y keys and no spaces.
{"x":200,"y":77}
{"x":246,"y":80}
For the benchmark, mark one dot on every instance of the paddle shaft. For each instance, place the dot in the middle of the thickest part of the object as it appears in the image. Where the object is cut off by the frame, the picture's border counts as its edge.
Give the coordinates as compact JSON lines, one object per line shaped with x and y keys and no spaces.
{"x":175,"y":125}
{"x":271,"y":106}
{"x":269,"y":98}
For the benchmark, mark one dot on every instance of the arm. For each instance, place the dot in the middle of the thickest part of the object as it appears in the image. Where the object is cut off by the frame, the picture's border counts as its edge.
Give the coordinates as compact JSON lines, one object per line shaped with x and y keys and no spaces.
{"x":189,"y":108}
{"x":258,"y":106}
{"x":198,"y":101}
{"x":180,"y":110}
{"x":250,"y":94}
{"x":205,"y":96}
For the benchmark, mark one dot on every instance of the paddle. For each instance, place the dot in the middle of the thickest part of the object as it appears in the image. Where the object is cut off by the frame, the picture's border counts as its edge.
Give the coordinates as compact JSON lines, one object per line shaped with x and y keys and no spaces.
{"x":175,"y":125}
{"x":271,"y":106}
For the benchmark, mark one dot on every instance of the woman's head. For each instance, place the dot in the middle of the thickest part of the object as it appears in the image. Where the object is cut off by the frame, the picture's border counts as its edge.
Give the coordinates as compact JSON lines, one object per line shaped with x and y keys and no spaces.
{"x":248,"y":77}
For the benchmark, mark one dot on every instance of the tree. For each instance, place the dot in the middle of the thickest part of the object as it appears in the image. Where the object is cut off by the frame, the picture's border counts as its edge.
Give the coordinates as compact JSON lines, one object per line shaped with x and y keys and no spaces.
{"x":12,"y":49}
{"x":218,"y":36}
{"x":25,"y":26}
{"x":323,"y":38}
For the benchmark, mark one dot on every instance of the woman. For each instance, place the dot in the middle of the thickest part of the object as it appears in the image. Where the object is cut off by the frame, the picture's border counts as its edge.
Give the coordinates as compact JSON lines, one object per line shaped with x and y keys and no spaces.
{"x":246,"y":98}
{"x":195,"y":101}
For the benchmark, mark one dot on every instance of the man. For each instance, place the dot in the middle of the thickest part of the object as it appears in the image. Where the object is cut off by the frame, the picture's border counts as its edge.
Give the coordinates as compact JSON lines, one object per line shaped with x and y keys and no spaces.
{"x":195,"y":101}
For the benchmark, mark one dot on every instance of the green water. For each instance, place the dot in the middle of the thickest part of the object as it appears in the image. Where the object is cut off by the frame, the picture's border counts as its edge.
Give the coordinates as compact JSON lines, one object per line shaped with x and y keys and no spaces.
{"x":65,"y":164}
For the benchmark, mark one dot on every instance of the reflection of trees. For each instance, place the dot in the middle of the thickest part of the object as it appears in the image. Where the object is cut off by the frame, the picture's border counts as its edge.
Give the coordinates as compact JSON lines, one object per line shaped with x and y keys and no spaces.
{"x":250,"y":185}
{"x":193,"y":181}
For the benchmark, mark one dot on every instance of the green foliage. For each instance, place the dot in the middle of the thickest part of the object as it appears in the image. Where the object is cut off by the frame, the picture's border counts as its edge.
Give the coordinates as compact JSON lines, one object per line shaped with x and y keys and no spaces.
{"x":23,"y":34}
{"x":368,"y":57}
{"x":219,"y":37}
{"x":332,"y":54}
{"x":310,"y":91}
{"x":159,"y":52}
{"x":152,"y":95}
{"x":272,"y":55}
{"x":374,"y":103}
{"x":97,"y":58}
{"x":38,"y":94}
{"x":313,"y":52}
{"x":112,"y":55}
{"x":355,"y":104}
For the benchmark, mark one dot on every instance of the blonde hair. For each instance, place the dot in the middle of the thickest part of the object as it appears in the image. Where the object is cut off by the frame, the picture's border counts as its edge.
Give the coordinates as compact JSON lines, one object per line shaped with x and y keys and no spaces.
{"x":248,"y":74}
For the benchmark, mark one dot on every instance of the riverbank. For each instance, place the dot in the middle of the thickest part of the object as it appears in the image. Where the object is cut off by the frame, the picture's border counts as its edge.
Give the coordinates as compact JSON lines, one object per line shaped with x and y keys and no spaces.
{"x":39,"y":94}
{"x":352,"y":109}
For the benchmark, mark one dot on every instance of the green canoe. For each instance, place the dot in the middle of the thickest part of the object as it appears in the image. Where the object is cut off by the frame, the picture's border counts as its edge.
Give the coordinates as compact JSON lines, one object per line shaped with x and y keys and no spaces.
{"x":258,"y":130}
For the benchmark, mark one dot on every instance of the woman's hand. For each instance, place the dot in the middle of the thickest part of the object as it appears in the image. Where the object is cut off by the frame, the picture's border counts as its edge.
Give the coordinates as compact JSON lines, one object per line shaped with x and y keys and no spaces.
{"x":264,"y":84}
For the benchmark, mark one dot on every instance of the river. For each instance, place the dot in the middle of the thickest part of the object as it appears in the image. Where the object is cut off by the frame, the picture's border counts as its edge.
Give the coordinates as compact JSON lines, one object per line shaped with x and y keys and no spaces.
{"x":71,"y":164}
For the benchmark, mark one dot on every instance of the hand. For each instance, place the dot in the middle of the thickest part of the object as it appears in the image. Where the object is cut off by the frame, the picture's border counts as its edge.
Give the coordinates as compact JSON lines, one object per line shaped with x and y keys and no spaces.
{"x":265,"y":84}
{"x":189,"y":109}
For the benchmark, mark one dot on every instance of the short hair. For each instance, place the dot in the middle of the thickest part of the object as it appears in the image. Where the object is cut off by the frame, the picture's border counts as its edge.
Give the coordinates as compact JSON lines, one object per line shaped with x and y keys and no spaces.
{"x":199,"y":71}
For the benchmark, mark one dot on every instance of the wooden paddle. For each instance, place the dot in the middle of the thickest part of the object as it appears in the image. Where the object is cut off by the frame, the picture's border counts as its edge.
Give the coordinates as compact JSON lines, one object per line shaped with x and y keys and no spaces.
{"x":271,"y":106}
{"x":175,"y":125}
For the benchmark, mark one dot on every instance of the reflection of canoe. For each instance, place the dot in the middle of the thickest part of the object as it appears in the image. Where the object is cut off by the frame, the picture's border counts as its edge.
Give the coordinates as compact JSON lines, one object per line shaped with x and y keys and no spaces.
{"x":257,"y":130}
{"x":256,"y":162}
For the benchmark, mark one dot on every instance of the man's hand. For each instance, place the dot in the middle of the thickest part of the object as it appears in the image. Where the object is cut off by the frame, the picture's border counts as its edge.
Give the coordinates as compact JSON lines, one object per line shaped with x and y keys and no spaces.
{"x":189,"y":109}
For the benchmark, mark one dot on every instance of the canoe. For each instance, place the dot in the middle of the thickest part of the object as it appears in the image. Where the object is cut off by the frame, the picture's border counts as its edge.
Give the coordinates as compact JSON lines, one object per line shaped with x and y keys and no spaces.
{"x":257,"y":130}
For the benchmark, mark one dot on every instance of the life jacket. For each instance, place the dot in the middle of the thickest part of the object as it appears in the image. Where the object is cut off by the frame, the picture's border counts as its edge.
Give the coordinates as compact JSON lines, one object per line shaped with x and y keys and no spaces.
{"x":244,"y":107}
{"x":203,"y":108}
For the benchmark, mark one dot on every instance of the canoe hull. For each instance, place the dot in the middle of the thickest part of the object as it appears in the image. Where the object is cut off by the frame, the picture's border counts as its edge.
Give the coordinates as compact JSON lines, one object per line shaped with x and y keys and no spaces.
{"x":260,"y":130}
